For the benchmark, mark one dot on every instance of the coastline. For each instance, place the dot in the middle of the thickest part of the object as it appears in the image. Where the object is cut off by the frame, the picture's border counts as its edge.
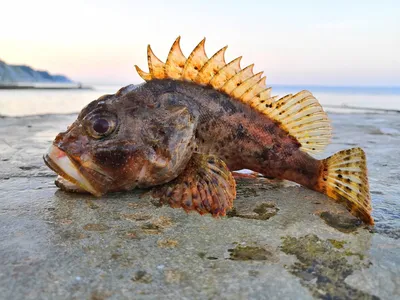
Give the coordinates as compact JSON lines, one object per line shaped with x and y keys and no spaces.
{"x":49,"y":86}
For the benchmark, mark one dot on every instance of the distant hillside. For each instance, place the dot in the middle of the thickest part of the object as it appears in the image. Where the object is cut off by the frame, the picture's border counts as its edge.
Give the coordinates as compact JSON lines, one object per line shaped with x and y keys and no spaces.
{"x":16,"y":74}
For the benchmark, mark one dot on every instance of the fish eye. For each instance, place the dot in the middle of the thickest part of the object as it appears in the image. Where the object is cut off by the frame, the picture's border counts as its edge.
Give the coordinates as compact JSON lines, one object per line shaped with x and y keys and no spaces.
{"x":99,"y":126}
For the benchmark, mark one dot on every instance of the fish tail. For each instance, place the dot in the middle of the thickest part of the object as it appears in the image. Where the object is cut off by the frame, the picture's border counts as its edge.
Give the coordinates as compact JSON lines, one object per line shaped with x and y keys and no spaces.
{"x":343,"y":177}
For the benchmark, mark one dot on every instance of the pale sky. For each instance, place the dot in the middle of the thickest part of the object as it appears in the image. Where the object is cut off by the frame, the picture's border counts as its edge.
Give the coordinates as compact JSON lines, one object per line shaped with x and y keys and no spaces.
{"x":293,"y":42}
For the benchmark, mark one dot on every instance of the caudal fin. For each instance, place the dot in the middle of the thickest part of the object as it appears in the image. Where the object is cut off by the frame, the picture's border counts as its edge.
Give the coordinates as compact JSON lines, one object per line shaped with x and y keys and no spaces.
{"x":344,"y":178}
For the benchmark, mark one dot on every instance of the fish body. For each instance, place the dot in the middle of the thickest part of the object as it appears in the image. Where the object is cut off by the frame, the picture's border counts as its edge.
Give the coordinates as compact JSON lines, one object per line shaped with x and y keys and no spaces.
{"x":193,"y":122}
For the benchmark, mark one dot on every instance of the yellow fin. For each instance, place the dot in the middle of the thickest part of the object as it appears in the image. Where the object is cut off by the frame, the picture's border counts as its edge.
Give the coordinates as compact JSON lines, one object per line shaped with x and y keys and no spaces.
{"x":263,"y":100}
{"x":247,"y":84}
{"x":226,"y":73}
{"x":302,"y":117}
{"x":255,"y":91}
{"x":237,"y":79}
{"x":195,"y":62}
{"x":156,"y":66}
{"x":344,"y":178}
{"x":211,"y":67}
{"x":144,"y":75}
{"x":175,"y":61}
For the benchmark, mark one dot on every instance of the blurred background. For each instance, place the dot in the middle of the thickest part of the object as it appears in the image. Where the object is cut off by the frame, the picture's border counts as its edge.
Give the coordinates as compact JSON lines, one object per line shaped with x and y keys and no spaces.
{"x":346,"y":52}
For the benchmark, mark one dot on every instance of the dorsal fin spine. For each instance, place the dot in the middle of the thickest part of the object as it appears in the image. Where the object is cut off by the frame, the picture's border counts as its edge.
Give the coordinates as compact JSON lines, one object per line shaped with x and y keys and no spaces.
{"x":254,"y":91}
{"x":156,"y":66}
{"x":245,"y":85}
{"x":211,"y":67}
{"x":144,"y":75}
{"x":175,"y":61}
{"x":195,"y":62}
{"x":225,"y":73}
{"x":237,"y":79}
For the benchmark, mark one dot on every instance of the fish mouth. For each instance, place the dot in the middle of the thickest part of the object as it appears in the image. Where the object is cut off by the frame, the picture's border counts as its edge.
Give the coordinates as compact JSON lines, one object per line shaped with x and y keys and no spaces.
{"x":63,"y":165}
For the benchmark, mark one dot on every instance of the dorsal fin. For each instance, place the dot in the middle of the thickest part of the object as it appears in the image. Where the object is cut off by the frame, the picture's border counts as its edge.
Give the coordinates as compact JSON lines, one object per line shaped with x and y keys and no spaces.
{"x":245,"y":85}
{"x":237,"y":79}
{"x":175,"y":61}
{"x":211,"y":67}
{"x":300,"y":115}
{"x":156,"y":66}
{"x":195,"y":62}
{"x":225,"y":73}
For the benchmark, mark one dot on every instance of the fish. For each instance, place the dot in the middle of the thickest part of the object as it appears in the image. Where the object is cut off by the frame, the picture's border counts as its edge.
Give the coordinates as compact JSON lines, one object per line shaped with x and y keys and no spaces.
{"x":192,"y":123}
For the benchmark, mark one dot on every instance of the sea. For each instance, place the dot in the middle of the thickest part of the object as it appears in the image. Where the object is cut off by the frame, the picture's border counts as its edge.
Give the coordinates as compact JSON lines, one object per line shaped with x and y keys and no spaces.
{"x":340,"y":99}
{"x":361,"y":116}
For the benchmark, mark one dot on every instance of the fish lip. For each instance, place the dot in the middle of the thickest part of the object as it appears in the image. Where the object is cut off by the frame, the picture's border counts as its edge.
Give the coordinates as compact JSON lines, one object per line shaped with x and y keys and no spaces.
{"x":52,"y":164}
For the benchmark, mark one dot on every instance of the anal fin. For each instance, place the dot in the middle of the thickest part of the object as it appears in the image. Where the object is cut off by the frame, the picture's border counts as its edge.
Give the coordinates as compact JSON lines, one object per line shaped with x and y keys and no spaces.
{"x":206,"y":185}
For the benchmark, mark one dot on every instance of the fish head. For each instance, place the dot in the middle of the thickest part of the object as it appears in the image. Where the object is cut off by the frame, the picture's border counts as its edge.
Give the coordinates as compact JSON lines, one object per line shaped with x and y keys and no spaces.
{"x":122,"y":141}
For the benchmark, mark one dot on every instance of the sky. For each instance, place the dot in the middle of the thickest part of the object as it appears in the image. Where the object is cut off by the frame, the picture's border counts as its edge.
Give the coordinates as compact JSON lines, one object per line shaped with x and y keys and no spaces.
{"x":346,"y":43}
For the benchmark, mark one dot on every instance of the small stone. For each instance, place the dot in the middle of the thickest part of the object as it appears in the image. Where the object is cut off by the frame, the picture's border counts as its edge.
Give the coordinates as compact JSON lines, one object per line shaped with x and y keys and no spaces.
{"x":173,"y":276}
{"x":142,"y":276}
{"x":131,"y":235}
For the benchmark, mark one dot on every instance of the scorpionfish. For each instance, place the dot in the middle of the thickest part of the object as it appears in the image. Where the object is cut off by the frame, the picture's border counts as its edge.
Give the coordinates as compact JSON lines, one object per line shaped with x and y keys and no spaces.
{"x":193,"y":122}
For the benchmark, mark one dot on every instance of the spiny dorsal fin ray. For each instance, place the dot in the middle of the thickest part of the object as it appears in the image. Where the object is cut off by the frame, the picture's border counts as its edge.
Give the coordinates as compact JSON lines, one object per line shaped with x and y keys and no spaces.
{"x":144,"y":75}
{"x":195,"y":62}
{"x":238,"y":79}
{"x":300,"y":115}
{"x":175,"y":61}
{"x":257,"y":91}
{"x":245,"y":85}
{"x":263,"y":98}
{"x":211,"y":67}
{"x":156,"y":66}
{"x":225,"y":73}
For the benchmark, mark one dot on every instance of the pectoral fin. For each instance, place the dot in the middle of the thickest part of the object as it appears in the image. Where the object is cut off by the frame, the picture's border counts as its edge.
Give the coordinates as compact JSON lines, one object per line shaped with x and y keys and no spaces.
{"x":206,"y":185}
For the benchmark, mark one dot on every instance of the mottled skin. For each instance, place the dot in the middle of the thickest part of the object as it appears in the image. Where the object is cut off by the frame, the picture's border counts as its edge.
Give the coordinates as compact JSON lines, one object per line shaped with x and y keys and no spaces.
{"x":240,"y":135}
{"x":173,"y":132}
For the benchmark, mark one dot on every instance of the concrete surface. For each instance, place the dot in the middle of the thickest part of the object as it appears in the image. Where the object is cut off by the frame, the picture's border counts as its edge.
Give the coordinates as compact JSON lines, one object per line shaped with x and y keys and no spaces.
{"x":280,"y":242}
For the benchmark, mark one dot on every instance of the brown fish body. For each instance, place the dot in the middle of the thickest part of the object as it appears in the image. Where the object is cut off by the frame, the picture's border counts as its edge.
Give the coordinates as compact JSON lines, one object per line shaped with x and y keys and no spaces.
{"x":193,"y":122}
{"x":239,"y":135}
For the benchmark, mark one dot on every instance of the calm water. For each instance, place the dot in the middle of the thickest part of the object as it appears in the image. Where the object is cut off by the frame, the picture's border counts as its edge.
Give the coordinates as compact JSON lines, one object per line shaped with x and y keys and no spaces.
{"x":31,"y":102}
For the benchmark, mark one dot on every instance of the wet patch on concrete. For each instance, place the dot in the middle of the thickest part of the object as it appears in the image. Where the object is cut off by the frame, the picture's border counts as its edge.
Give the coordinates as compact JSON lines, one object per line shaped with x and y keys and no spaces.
{"x":262,"y":211}
{"x":252,"y":187}
{"x":337,"y":244}
{"x":342,"y":222}
{"x":242,"y":252}
{"x":323,"y":269}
